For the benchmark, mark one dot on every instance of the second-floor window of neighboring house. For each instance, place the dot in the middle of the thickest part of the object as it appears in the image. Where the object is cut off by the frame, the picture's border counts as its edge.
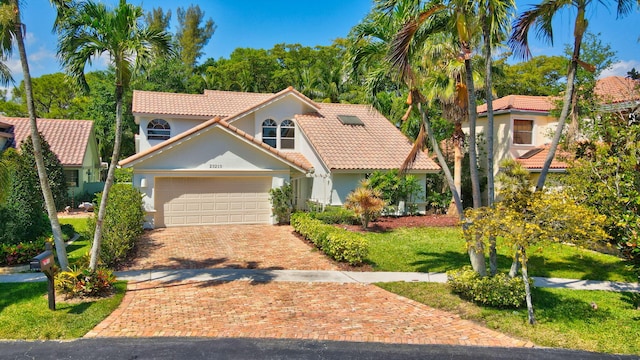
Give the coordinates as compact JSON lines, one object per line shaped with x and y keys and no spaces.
{"x":158,"y":129}
{"x":287,"y":134}
{"x":270,"y":132}
{"x":523,"y":132}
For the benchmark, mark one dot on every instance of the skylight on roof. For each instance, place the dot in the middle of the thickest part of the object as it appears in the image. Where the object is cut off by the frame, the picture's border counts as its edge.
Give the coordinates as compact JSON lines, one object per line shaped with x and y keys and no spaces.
{"x":350,"y":120}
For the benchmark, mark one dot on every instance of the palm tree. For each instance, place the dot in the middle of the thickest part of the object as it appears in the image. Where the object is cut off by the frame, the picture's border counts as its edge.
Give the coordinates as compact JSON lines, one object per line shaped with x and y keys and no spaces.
{"x":13,"y":29}
{"x":91,"y":30}
{"x":494,"y":18}
{"x":540,"y":17}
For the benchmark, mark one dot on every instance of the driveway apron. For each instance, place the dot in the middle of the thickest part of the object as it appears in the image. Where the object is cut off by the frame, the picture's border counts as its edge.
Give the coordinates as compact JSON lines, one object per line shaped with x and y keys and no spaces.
{"x":294,"y":310}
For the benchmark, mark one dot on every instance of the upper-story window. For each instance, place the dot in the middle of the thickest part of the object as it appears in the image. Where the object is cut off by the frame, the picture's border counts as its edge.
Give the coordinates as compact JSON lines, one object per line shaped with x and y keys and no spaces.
{"x":158,"y":129}
{"x":287,"y":134}
{"x":523,"y":132}
{"x":270,"y":132}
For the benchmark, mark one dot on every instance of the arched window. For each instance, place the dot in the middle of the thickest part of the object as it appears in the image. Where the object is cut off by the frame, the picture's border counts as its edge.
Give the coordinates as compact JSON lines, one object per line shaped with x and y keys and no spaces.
{"x":270,"y":132}
{"x":287,"y":134}
{"x":158,"y":129}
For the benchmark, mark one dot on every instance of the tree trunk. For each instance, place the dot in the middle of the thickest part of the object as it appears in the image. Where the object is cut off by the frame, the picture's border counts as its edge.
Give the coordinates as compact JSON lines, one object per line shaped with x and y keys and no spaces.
{"x":457,"y":172}
{"x":442,"y":162}
{"x":515,"y":265}
{"x":37,"y":146}
{"x":568,"y":96}
{"x":527,"y":287}
{"x":488,"y":89}
{"x":97,"y":237}
{"x":475,"y":250}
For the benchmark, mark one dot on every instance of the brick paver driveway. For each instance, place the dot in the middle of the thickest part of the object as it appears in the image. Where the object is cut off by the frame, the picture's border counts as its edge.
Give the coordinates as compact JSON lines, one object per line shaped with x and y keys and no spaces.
{"x":321,"y":311}
{"x":228,"y":246}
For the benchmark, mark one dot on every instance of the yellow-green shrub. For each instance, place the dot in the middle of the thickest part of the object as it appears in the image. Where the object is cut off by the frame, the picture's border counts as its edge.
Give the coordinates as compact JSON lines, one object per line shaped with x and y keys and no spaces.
{"x":498,"y":291}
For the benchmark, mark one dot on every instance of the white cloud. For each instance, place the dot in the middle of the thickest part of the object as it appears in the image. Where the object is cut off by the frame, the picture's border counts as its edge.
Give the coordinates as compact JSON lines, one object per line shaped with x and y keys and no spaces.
{"x":620,"y":68}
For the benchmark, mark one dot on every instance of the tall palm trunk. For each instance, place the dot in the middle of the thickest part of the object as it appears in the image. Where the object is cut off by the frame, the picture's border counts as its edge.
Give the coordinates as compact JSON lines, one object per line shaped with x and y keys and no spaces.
{"x":476,"y":249}
{"x":488,"y":89}
{"x":97,"y":237}
{"x":442,"y":162}
{"x":568,"y":97}
{"x":37,"y":146}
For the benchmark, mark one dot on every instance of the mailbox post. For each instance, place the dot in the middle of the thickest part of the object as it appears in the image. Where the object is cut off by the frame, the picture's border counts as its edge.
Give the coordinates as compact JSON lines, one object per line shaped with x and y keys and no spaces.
{"x":44,"y":263}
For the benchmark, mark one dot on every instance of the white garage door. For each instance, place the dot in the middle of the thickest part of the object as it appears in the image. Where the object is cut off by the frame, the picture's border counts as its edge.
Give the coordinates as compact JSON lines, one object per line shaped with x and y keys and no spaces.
{"x":212,"y":201}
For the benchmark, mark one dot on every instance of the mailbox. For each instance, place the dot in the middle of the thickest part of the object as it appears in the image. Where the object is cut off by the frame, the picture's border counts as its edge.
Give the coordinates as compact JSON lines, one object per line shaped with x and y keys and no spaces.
{"x":43,"y":262}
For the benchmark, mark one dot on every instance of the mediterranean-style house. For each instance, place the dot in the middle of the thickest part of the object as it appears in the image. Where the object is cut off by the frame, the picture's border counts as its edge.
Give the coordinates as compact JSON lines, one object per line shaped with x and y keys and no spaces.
{"x":73,"y":141}
{"x":212,"y":158}
{"x":524,"y":126}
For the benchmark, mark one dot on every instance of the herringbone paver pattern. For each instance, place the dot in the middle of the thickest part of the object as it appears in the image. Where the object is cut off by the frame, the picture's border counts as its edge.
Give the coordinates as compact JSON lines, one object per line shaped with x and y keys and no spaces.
{"x":343,"y":312}
{"x":321,"y":311}
{"x":228,"y":246}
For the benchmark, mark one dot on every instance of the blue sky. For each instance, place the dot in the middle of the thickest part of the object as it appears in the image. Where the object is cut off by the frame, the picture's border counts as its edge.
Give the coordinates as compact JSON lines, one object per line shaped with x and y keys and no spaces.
{"x":262,"y":24}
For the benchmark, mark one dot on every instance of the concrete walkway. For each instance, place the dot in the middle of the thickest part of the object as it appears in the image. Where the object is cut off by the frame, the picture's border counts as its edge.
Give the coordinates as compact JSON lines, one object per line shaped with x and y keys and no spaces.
{"x":320,"y":276}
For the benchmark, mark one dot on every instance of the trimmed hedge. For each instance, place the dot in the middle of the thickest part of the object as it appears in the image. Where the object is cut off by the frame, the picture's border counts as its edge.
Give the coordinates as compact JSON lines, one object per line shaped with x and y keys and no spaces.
{"x":336,"y":215}
{"x":498,"y":291}
{"x":339,"y":244}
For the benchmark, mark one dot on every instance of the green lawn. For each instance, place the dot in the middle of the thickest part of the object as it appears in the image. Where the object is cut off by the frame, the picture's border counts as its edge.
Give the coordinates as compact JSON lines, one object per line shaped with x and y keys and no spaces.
{"x":81,"y":247}
{"x":565,"y":318}
{"x":24,"y":313}
{"x":441,"y":249}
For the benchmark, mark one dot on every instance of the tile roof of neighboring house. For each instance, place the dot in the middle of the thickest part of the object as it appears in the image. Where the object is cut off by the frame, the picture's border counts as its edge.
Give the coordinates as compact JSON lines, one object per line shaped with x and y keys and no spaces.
{"x":67,"y":138}
{"x":534,"y":159}
{"x":296,"y":159}
{"x":520,"y":102}
{"x":616,"y":89}
{"x":376,"y":145}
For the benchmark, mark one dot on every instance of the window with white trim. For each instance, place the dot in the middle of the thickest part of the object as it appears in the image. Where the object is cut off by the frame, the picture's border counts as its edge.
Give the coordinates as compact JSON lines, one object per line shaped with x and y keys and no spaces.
{"x":158,"y":129}
{"x":523,"y":132}
{"x":270,"y":132}
{"x":287,"y":134}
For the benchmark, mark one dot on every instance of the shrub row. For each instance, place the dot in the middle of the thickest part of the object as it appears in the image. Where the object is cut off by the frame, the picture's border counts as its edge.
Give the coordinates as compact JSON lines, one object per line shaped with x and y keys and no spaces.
{"x":339,"y":244}
{"x":22,"y":253}
{"x":498,"y":291}
{"x":336,"y":215}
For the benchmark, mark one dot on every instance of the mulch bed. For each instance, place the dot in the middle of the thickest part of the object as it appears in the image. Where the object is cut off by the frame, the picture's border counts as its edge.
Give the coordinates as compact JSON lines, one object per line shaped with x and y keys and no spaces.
{"x":388,"y":223}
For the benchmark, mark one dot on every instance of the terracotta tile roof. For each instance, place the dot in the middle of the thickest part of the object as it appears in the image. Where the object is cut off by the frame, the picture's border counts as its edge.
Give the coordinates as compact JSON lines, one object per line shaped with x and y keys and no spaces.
{"x":616,"y":89}
{"x":520,"y":102}
{"x":376,"y":145}
{"x":534,"y":159}
{"x":68,"y":138}
{"x":293,"y":158}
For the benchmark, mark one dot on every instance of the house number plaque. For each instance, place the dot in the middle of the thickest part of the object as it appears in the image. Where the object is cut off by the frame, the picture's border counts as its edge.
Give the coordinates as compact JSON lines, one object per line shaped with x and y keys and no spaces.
{"x":215,"y":166}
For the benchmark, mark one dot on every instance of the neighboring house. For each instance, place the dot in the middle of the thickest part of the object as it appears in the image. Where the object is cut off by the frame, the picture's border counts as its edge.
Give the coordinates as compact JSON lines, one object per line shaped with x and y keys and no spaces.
{"x":73,"y":141}
{"x":523,"y":126}
{"x":212,"y":158}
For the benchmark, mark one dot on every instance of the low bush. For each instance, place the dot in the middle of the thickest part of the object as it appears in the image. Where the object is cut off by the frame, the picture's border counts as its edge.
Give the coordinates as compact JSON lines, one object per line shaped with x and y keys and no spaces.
{"x":336,"y":215}
{"x":21,"y":253}
{"x":85,"y":283}
{"x":282,"y":202}
{"x":122,"y":224}
{"x":499,"y":291}
{"x":339,"y":244}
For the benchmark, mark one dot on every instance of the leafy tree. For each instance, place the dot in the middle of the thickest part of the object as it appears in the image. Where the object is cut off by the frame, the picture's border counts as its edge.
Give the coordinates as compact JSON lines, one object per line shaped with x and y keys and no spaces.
{"x":633,"y":74}
{"x":191,"y":35}
{"x":12,"y":30}
{"x":5,"y":179}
{"x":605,"y":177}
{"x":539,"y":76}
{"x":54,"y":97}
{"x":53,"y":167}
{"x":90,"y":30}
{"x":540,"y":17}
{"x":524,"y":218}
{"x":157,"y":19}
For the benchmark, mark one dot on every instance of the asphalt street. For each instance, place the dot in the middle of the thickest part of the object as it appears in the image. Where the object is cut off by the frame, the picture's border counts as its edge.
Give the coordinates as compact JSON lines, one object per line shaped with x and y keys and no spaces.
{"x":195,"y":348}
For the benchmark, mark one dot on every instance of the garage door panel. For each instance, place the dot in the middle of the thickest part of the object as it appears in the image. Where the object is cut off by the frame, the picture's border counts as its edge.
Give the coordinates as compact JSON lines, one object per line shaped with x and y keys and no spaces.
{"x":214,"y":200}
